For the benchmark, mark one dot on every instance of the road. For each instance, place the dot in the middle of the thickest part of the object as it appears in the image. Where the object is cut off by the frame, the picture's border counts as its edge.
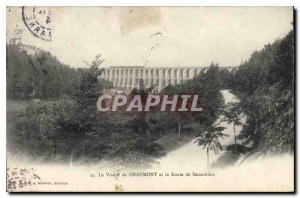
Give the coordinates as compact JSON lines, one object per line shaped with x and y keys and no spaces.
{"x":193,"y":157}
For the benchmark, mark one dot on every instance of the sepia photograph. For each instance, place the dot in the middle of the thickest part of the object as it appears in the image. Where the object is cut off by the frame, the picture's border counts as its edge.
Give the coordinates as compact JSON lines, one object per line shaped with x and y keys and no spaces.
{"x":150,"y":99}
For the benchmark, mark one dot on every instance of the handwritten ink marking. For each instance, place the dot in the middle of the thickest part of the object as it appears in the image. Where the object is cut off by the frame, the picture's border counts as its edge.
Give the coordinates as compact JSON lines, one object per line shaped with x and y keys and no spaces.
{"x":20,"y":178}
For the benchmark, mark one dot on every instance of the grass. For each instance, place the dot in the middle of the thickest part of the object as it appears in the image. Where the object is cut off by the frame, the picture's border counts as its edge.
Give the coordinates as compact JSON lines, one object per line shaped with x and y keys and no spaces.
{"x":172,"y":140}
{"x":17,"y":105}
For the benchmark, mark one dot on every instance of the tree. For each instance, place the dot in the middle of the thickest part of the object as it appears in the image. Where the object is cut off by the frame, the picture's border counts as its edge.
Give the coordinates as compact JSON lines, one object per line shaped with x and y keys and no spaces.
{"x":182,"y":118}
{"x":84,"y":119}
{"x":210,"y":139}
{"x":232,"y":113}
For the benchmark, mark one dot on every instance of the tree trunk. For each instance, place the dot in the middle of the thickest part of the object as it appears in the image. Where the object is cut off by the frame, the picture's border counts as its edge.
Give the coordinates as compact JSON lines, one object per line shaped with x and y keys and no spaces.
{"x":207,"y":150}
{"x":234,"y":134}
{"x":71,"y":159}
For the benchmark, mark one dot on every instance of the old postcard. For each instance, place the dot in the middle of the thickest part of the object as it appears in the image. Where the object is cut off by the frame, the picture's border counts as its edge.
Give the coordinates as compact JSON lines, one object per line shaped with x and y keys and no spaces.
{"x":150,"y":99}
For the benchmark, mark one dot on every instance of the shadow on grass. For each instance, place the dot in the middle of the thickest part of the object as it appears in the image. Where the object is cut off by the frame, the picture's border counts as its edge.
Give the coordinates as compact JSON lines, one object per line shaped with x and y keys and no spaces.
{"x":231,"y":156}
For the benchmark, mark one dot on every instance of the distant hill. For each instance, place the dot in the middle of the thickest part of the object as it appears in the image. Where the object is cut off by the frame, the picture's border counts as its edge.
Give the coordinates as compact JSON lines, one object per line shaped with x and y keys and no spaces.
{"x":34,"y":73}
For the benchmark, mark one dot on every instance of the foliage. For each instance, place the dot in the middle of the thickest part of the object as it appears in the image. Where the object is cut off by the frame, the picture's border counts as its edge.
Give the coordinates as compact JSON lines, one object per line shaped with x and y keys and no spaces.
{"x":232,"y":113}
{"x":209,"y":139}
{"x":37,"y":76}
{"x":207,"y":86}
{"x":39,"y":130}
{"x":265,"y":85}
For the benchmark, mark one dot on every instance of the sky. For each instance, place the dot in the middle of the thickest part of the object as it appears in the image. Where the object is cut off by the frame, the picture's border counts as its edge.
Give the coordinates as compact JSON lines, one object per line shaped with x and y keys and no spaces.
{"x":156,"y":36}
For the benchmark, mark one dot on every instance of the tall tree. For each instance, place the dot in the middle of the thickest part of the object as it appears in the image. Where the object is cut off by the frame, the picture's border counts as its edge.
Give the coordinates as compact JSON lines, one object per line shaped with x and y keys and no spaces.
{"x":84,"y":120}
{"x":232,"y":113}
{"x":209,"y":139}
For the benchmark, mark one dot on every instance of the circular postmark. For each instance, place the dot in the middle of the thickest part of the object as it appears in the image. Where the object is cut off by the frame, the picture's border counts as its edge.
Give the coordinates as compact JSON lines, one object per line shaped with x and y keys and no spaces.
{"x":38,"y":21}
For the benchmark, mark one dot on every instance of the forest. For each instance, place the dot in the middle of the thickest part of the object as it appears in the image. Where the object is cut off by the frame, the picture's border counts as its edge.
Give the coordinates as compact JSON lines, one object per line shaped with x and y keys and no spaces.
{"x":265,"y":85}
{"x":57,"y":118}
{"x":37,"y":76}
